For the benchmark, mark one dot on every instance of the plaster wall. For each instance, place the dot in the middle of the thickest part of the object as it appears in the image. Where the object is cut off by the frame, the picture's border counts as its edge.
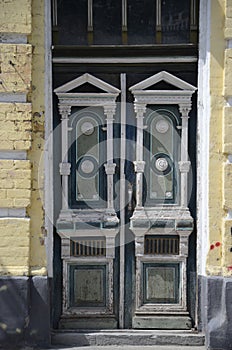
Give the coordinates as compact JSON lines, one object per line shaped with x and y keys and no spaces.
{"x":217,"y":48}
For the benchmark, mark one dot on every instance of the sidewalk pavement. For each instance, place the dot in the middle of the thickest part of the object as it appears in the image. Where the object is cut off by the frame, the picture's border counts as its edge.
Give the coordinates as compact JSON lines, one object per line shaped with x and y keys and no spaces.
{"x":130,"y":347}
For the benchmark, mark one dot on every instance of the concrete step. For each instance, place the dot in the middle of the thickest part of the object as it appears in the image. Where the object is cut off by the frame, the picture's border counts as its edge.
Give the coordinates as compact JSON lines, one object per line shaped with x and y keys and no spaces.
{"x":127,"y":337}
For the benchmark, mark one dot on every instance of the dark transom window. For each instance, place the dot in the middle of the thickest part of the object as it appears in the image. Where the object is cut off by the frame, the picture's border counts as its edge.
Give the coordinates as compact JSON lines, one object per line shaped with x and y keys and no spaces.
{"x":124,"y":22}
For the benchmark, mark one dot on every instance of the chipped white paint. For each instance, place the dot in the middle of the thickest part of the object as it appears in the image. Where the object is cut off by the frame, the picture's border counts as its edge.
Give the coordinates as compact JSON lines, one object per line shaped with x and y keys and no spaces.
{"x":122,"y":201}
{"x":139,"y":164}
{"x":203,"y":137}
{"x":86,"y":78}
{"x":115,"y":60}
{"x":163,"y":76}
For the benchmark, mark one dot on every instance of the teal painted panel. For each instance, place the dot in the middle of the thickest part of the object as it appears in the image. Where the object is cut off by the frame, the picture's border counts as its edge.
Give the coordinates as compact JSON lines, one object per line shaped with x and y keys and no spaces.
{"x":161,"y":283}
{"x":161,"y":153}
{"x":87,"y":285}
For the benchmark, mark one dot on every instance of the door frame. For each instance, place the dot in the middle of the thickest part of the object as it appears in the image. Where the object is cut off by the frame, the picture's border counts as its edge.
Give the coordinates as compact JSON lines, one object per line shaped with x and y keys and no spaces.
{"x":202,"y":137}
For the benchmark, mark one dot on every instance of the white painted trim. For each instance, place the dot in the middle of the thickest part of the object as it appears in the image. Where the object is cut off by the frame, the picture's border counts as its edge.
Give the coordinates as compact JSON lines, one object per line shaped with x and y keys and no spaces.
{"x":15,"y":155}
{"x":86,"y":99}
{"x":163,"y":76}
{"x":116,"y":60}
{"x":12,"y":212}
{"x":203,"y":137}
{"x":86,"y":78}
{"x":48,"y":152}
{"x":11,"y":97}
{"x":122,"y":200}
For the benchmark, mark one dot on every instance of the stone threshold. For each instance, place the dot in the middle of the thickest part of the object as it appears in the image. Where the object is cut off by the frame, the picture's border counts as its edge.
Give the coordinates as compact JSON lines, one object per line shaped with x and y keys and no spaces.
{"x":127,"y":337}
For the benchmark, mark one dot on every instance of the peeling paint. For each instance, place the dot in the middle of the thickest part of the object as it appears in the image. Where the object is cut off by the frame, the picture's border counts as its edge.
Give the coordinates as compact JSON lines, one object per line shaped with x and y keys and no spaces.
{"x":33,"y":332}
{"x":3,"y":288}
{"x":3,"y":326}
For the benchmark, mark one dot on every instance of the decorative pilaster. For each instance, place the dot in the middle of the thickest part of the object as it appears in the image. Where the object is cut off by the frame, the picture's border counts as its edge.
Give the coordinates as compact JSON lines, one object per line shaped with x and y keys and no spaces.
{"x":184,"y":164}
{"x":140,"y":110}
{"x":109,"y":112}
{"x":65,"y":111}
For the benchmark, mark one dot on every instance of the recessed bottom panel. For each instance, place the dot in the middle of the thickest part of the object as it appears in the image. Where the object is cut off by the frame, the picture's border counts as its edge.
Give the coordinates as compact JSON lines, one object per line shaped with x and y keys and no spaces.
{"x":88,"y":286}
{"x":91,"y":322}
{"x":161,"y":283}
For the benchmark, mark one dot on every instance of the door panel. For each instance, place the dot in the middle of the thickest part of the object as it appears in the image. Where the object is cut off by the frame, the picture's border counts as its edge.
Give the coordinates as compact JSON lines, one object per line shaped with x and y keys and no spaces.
{"x":124,"y":264}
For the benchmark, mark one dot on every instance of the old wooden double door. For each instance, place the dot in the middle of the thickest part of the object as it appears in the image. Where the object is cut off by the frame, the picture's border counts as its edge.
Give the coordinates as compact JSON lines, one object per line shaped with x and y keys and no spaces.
{"x":125,"y":219}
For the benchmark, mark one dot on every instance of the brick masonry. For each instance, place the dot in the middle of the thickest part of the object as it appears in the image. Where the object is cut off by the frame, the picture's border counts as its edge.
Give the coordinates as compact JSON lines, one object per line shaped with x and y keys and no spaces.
{"x":15,"y":246}
{"x":15,"y":68}
{"x":15,"y":16}
{"x":15,"y":126}
{"x":15,"y":183}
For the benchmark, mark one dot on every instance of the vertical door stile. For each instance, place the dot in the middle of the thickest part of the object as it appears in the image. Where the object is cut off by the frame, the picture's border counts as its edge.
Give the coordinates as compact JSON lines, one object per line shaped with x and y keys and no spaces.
{"x":122,"y":200}
{"x":64,"y":165}
{"x":110,"y":166}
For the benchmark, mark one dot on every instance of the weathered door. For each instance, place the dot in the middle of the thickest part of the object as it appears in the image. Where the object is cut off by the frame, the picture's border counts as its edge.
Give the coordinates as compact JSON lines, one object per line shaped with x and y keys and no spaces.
{"x":124,"y":104}
{"x":125,"y":222}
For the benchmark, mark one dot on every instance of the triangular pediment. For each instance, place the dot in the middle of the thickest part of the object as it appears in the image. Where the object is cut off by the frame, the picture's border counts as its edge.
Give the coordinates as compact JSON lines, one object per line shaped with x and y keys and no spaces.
{"x":83,"y":79}
{"x":163,"y":77}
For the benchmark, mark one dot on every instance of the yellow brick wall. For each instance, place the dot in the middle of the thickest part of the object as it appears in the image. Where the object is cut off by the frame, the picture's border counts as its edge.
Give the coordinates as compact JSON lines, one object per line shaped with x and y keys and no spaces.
{"x":22,"y":250}
{"x":220,"y":170}
{"x":35,"y":211}
{"x":227,"y":130}
{"x":15,"y":126}
{"x":14,"y":246}
{"x":15,"y":183}
{"x":15,"y":68}
{"x":227,"y":245}
{"x":15,"y":16}
{"x":216,"y":213}
{"x":227,"y":186}
{"x":227,"y":150}
{"x":22,"y":128}
{"x":228,"y":75}
{"x":228,"y":19}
